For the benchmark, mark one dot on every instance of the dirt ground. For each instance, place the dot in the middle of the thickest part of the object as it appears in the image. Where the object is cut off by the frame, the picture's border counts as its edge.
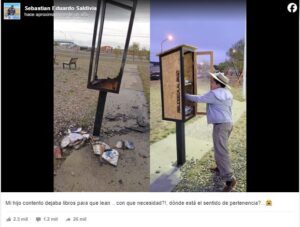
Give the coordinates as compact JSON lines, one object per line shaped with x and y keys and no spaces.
{"x":84,"y":171}
{"x":75,"y":106}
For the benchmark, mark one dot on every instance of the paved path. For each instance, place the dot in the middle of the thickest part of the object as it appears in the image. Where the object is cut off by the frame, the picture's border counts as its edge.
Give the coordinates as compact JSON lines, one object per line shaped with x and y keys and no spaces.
{"x":164,"y":175}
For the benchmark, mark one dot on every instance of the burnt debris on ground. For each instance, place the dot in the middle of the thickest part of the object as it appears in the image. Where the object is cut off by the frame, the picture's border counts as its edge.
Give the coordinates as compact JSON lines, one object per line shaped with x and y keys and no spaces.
{"x":76,"y":137}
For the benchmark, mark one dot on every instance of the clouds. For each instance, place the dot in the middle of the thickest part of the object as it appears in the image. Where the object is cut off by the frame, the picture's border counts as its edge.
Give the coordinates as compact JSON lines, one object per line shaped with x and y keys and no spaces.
{"x":211,"y":25}
{"x":79,"y":26}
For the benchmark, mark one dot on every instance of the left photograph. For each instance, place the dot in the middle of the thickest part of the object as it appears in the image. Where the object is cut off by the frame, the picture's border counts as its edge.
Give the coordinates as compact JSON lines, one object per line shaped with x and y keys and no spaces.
{"x":101,"y":96}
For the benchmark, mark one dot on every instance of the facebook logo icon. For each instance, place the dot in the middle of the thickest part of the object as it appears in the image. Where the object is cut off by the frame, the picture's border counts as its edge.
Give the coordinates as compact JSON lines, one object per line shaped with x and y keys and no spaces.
{"x":292,"y":7}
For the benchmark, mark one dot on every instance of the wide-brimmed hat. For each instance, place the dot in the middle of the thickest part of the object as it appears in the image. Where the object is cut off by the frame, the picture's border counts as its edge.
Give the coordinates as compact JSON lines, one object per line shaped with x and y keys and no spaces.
{"x":221,"y":78}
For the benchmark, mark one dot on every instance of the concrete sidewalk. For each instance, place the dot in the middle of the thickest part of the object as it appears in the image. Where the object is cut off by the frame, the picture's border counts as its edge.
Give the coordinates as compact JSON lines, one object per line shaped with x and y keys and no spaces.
{"x":164,"y":175}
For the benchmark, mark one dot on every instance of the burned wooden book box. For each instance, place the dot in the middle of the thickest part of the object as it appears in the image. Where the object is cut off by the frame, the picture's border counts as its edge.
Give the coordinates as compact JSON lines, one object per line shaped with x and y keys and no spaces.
{"x":112,"y":32}
{"x":178,"y":77}
{"x":109,"y":50}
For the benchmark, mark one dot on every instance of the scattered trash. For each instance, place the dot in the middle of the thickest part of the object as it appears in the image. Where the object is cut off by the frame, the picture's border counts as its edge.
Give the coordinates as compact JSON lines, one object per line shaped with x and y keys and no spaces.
{"x":77,"y":130}
{"x":79,"y":145}
{"x":129,"y":145}
{"x":99,"y":148}
{"x":111,"y":156}
{"x":87,"y":136}
{"x":74,"y":137}
{"x":57,"y":152}
{"x":107,"y":147}
{"x":65,"y":142}
{"x":74,"y":130}
{"x":125,"y":145}
{"x":119,"y":144}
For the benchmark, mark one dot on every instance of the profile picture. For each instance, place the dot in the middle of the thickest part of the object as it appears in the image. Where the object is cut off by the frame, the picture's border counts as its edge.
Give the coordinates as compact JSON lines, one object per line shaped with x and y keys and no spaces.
{"x":12,"y":11}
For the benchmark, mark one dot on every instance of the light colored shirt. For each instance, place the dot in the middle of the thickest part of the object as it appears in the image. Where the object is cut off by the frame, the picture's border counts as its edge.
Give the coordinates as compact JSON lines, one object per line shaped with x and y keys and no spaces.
{"x":219,"y":102}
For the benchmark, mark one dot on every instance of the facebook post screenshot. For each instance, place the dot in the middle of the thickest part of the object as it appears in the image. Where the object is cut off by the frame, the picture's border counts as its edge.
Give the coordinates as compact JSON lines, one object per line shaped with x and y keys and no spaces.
{"x":149,"y":112}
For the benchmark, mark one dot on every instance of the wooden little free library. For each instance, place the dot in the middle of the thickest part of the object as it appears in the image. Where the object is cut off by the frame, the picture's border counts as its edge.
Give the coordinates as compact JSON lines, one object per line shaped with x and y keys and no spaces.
{"x":178,"y":67}
{"x":178,"y":76}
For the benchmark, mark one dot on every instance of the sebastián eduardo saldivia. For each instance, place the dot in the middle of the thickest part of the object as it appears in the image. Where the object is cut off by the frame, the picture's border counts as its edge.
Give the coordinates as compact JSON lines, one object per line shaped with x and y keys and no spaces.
{"x":67,"y":8}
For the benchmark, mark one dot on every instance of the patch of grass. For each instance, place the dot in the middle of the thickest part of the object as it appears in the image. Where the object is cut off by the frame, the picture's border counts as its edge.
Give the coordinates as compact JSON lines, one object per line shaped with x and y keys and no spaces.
{"x":159,"y":128}
{"x":88,"y":119}
{"x":144,"y":74}
{"x":237,"y":92}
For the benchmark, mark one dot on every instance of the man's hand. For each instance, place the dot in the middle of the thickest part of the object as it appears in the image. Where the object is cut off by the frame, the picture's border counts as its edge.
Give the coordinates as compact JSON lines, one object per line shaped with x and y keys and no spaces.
{"x":185,"y":96}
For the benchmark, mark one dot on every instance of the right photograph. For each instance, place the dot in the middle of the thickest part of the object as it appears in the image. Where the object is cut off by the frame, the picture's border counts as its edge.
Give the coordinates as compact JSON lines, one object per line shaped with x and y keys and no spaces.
{"x":198,"y":96}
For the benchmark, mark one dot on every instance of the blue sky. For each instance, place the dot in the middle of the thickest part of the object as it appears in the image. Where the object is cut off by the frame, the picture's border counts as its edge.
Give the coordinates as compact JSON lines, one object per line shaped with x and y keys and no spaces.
{"x":207,"y":27}
{"x":9,"y":4}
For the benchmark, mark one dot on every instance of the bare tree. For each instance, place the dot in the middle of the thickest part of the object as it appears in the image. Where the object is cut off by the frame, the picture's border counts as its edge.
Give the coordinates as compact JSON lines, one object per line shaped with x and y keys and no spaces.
{"x":117,"y":51}
{"x":134,"y":49}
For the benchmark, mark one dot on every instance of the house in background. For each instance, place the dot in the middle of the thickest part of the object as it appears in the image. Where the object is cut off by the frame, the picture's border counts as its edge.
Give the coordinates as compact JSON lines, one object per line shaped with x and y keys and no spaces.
{"x":106,"y":49}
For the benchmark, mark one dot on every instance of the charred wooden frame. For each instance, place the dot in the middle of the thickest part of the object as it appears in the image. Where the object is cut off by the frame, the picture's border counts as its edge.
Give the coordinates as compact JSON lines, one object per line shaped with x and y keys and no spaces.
{"x":108,"y":85}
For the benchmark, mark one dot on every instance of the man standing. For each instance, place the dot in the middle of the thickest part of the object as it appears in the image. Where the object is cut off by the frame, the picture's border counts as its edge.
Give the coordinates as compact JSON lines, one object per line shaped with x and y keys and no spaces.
{"x":219,"y":102}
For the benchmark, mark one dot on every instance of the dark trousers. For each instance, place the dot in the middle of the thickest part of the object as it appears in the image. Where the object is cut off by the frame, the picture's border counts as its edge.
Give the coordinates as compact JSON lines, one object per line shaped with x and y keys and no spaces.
{"x":221,"y":133}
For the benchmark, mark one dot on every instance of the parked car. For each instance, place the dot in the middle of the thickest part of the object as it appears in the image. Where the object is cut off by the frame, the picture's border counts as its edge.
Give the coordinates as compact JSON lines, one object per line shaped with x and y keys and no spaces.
{"x":155,"y":76}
